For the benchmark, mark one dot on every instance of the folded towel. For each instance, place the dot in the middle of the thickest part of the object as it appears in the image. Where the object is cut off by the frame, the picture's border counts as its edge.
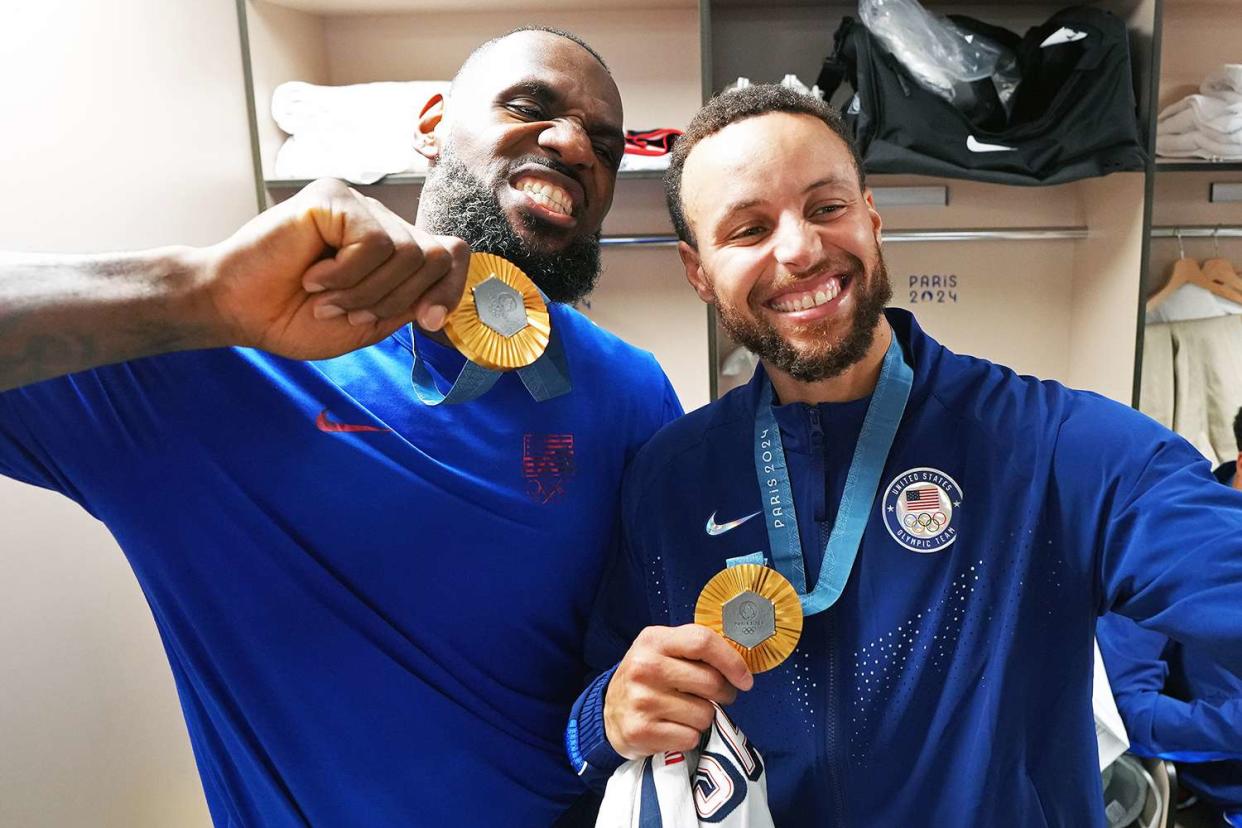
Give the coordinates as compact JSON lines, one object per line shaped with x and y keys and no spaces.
{"x":347,"y":156}
{"x":359,"y":132}
{"x":1225,"y":78}
{"x":1200,"y":112}
{"x":1208,"y":124}
{"x":1197,"y":145}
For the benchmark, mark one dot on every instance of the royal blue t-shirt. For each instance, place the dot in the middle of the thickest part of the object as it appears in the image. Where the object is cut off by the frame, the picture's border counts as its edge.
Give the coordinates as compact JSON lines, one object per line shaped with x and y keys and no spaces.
{"x":950,"y":685}
{"x":374,"y":610}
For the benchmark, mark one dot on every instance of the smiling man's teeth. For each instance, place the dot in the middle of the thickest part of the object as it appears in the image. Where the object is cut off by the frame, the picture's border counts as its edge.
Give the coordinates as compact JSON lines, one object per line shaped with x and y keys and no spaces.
{"x":547,"y":195}
{"x":810,"y":299}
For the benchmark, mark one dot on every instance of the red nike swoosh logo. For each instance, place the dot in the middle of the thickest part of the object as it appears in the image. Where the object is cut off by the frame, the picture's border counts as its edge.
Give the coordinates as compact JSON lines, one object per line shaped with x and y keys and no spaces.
{"x":324,"y":424}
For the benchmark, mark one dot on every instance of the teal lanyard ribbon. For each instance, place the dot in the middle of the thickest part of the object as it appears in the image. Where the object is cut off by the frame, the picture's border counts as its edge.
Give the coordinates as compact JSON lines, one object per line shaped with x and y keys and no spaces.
{"x":884,"y":413}
{"x":545,"y":378}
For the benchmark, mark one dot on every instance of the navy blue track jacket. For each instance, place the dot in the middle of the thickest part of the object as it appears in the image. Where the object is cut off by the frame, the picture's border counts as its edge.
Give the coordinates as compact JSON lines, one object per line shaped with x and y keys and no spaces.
{"x":951,"y":683}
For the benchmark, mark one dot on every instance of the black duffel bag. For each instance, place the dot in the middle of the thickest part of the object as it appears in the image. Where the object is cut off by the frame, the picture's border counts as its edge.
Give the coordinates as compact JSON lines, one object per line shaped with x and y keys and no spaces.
{"x":1072,"y":116}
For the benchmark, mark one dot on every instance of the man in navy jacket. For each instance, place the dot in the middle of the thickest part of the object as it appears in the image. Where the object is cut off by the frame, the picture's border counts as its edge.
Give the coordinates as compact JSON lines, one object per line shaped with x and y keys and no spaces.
{"x":953,"y":529}
{"x":1178,"y":705}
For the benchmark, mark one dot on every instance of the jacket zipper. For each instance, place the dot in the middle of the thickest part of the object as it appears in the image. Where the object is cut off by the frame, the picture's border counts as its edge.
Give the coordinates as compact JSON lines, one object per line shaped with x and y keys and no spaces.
{"x":831,"y":689}
{"x":819,"y":508}
{"x":831,"y":693}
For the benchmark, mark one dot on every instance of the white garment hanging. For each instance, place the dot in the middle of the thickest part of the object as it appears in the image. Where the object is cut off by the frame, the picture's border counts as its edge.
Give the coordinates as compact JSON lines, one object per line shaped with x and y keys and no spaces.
{"x":722,"y":784}
{"x":1192,"y":302}
{"x":1192,"y":381}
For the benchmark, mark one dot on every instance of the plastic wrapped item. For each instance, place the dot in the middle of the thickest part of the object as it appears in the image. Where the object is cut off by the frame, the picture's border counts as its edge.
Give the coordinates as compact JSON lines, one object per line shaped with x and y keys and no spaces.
{"x":941,"y":56}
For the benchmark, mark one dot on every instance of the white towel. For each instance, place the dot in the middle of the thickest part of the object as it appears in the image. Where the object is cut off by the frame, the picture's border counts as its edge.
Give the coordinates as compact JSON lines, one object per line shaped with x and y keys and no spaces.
{"x":721,"y":784}
{"x":1222,"y":119}
{"x":1225,"y":78}
{"x":360,"y":132}
{"x":1208,"y":124}
{"x":1198,"y":145}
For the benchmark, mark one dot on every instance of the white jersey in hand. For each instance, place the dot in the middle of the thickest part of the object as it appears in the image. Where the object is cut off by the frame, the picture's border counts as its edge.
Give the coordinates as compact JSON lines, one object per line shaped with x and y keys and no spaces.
{"x":720,"y":784}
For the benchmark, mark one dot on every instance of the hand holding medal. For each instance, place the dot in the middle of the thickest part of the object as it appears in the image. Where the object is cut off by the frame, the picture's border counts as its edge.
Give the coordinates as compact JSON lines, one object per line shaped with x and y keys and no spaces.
{"x":756,"y":610}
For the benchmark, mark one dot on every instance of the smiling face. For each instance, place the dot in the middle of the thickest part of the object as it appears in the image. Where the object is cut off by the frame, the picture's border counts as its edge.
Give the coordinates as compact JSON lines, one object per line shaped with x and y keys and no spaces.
{"x":532,"y":131}
{"x":788,"y":243}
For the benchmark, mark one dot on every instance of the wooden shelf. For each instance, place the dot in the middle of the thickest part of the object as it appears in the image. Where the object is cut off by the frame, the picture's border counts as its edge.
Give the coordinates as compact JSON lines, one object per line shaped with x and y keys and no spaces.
{"x":1171,"y":165}
{"x":969,"y":6}
{"x":360,"y":7}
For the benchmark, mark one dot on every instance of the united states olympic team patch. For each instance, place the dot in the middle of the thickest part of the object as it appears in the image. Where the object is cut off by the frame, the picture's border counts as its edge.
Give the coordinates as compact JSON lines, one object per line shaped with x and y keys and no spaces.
{"x":921,"y":509}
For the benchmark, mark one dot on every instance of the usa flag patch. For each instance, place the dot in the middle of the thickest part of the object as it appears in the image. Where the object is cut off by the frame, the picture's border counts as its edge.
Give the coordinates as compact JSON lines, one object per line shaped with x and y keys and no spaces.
{"x":921,"y":509}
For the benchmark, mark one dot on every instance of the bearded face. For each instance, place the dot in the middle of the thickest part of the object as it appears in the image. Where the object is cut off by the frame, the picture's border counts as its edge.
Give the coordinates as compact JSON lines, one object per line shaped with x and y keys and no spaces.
{"x":459,"y":203}
{"x":813,"y":351}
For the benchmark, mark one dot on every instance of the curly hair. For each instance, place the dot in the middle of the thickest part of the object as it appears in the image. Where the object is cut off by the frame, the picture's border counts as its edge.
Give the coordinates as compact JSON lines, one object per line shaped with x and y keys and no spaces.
{"x":738,"y":105}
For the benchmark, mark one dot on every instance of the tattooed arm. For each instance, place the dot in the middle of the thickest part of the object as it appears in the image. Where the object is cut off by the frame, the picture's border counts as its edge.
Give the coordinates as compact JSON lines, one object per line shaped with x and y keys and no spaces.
{"x":319,"y":275}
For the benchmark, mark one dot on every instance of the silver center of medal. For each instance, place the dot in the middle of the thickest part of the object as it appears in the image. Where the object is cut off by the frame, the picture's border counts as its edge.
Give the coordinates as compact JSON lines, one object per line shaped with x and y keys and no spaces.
{"x":499,"y":306}
{"x":749,"y":619}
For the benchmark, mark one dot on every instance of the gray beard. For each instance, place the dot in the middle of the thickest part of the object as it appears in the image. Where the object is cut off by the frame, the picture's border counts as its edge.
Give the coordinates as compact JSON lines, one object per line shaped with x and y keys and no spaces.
{"x":457,"y":203}
{"x":827,"y":360}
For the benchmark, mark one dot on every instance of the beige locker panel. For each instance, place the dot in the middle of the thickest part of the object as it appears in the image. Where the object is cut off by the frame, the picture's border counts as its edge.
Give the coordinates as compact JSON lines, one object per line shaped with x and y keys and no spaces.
{"x":1003,"y":301}
{"x":1198,"y":36}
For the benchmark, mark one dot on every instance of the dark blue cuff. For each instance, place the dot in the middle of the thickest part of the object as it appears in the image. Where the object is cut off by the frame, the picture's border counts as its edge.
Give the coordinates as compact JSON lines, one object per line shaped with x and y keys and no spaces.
{"x":586,"y":742}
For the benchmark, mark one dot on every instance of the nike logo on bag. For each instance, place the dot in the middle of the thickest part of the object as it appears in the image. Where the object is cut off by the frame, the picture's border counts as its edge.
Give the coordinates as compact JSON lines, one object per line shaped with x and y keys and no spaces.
{"x":1063,"y":35}
{"x":714,"y":528}
{"x":324,"y":423}
{"x":975,"y":145}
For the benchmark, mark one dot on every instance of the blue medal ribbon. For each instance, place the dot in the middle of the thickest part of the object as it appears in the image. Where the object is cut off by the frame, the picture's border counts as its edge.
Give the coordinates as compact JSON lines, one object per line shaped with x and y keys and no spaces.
{"x":884,"y":413}
{"x":545,"y":378}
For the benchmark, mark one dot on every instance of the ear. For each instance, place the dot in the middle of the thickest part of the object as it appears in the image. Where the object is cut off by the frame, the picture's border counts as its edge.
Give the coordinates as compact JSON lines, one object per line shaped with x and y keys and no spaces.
{"x":694,"y":273}
{"x":427,"y":141}
{"x":877,"y":223}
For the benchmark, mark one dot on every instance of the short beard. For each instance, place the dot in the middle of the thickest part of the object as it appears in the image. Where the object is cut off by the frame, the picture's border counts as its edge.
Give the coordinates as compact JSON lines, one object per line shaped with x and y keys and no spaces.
{"x":824,"y":360}
{"x":458,"y":203}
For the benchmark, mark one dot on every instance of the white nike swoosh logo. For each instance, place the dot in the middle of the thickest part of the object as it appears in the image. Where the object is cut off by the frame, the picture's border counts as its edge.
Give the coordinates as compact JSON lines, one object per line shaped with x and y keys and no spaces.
{"x":1063,"y":35}
{"x":714,"y":528}
{"x":975,"y":145}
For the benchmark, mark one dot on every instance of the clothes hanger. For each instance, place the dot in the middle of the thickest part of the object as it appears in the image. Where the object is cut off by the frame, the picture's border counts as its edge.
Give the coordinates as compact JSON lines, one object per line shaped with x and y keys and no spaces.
{"x":1184,"y":271}
{"x":1222,"y":279}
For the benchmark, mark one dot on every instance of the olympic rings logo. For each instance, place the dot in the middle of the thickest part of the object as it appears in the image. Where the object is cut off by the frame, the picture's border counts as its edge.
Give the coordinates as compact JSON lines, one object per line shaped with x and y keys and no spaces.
{"x":925,"y":523}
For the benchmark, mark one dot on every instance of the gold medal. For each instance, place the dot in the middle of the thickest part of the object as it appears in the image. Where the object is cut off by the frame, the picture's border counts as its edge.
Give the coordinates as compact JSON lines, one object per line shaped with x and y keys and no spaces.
{"x":756,"y":610}
{"x":501,"y":322}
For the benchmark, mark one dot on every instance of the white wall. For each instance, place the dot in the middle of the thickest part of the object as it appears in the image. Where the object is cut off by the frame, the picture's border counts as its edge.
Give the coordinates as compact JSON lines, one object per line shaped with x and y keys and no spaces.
{"x":122,"y":125}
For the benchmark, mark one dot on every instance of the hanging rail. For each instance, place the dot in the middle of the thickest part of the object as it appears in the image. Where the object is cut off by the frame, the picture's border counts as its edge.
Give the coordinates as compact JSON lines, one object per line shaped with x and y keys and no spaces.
{"x":1197,"y":232}
{"x":997,"y":234}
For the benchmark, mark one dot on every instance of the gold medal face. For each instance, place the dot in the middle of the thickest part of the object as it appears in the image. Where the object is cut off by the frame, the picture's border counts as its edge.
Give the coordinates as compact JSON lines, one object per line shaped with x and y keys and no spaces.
{"x":501,"y":322}
{"x":756,"y":610}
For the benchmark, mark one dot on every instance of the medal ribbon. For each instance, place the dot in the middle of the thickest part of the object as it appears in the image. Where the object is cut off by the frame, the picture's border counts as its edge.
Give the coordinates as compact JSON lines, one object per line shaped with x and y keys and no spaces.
{"x":545,"y":378}
{"x":888,"y":403}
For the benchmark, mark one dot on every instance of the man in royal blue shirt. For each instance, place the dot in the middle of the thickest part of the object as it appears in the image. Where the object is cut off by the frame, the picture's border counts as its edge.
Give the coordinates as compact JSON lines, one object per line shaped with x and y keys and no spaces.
{"x":953,"y":529}
{"x":374,"y":609}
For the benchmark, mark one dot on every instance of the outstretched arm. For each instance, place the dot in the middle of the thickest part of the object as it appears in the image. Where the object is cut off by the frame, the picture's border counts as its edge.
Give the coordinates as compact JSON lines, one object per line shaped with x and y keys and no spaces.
{"x":324,"y":273}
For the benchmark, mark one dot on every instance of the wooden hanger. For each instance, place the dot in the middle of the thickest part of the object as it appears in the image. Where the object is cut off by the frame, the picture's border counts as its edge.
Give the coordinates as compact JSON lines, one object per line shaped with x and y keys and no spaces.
{"x":1185,"y":271}
{"x":1220,"y":277}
